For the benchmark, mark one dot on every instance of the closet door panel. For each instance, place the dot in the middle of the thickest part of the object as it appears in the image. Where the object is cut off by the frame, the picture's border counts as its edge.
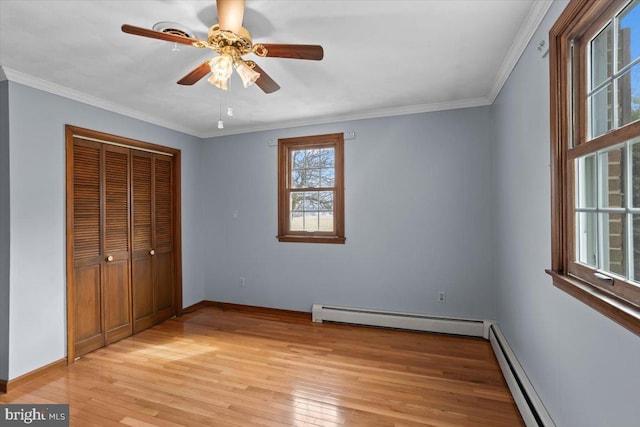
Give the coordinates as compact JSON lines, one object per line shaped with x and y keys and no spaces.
{"x":88,"y":329}
{"x":163,"y":236}
{"x":88,"y":313}
{"x":163,"y":280}
{"x":117,"y":312}
{"x":116,"y":289}
{"x":142,"y":239}
{"x":142,"y":294}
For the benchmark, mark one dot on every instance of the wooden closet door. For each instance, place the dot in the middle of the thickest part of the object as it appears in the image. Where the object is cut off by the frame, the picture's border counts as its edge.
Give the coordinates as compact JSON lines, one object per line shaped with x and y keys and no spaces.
{"x":88,"y":329}
{"x":163,"y":268}
{"x":142,"y":239}
{"x":153,"y":270}
{"x":116,"y":289}
{"x":102,"y":309}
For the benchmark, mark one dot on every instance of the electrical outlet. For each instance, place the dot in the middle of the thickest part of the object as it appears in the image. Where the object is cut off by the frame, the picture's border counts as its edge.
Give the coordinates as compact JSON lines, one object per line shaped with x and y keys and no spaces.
{"x":242,"y":282}
{"x":442,"y":297}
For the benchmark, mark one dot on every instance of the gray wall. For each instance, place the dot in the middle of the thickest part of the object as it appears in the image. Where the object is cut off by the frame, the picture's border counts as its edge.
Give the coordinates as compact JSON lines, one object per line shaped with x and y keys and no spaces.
{"x":417,"y":219}
{"x":37,"y":199}
{"x":584,"y":366}
{"x":4,"y":230}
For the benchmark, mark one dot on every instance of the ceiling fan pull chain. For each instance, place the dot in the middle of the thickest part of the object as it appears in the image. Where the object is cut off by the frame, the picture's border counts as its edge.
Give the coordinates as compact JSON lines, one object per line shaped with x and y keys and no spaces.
{"x":229,"y":107}
{"x":220,"y":122}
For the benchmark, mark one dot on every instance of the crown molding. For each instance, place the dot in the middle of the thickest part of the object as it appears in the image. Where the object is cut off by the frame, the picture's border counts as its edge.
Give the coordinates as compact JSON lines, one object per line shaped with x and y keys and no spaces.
{"x":27,"y":80}
{"x":372,"y":114}
{"x":3,"y":76}
{"x":529,"y":27}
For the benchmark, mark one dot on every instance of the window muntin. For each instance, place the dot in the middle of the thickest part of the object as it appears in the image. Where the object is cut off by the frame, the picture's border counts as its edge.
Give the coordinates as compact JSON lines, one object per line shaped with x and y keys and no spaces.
{"x":310,"y":189}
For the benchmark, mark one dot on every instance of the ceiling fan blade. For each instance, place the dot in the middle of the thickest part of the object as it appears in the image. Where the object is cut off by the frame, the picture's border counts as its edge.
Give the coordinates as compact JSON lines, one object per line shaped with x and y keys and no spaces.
{"x":295,"y":51}
{"x":196,"y":74}
{"x":264,"y":82}
{"x":138,"y":31}
{"x":230,"y":15}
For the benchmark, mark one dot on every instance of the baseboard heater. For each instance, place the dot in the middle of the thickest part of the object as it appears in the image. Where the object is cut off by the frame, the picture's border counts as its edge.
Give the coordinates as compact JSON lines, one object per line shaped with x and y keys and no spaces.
{"x":529,"y":404}
{"x":397,"y":320}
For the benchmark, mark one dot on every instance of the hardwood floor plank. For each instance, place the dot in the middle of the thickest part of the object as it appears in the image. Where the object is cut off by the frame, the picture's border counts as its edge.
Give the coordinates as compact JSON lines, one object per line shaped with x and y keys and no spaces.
{"x":230,"y":366}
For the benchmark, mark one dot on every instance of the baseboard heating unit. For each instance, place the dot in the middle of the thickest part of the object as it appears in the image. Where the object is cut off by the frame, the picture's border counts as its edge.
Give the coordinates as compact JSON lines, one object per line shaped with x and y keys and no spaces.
{"x":529,"y":404}
{"x":397,"y":320}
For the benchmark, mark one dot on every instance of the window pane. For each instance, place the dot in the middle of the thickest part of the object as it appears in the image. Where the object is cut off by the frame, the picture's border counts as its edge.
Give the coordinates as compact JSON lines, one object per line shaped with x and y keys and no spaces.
{"x":296,"y":221}
{"x":635,"y":178}
{"x":326,"y":221}
{"x":297,"y":158}
{"x":297,"y":178}
{"x":328,"y":157}
{"x":310,"y":201}
{"x":602,"y":56}
{"x":586,"y":182}
{"x":629,"y":35}
{"x":312,"y":159}
{"x":325,"y":200}
{"x":312,"y":178}
{"x":296,"y":201}
{"x":636,"y":248}
{"x":311,"y":221}
{"x":587,"y":232}
{"x":613,"y":242}
{"x":601,"y":103}
{"x":612,"y":165}
{"x":327,"y":177}
{"x":629,"y":96}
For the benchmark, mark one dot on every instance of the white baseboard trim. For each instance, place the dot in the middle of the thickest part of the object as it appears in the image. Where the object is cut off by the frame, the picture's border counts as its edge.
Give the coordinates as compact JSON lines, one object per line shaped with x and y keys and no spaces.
{"x":529,"y":404}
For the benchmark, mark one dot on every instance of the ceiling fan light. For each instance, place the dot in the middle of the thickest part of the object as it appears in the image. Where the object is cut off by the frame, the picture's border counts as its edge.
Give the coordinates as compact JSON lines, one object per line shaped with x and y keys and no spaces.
{"x":221,"y":69}
{"x":247,"y":74}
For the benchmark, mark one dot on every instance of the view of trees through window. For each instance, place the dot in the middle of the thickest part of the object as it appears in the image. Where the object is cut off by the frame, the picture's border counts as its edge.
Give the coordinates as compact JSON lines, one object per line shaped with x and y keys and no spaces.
{"x":312,"y":197}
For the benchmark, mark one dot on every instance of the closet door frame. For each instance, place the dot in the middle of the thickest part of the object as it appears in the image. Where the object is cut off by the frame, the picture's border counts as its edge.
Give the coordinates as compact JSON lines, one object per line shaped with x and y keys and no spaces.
{"x":72,"y":132}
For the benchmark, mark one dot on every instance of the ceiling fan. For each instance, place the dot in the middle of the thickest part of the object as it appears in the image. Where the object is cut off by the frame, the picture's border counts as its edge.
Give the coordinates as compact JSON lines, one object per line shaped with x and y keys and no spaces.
{"x":232,"y":41}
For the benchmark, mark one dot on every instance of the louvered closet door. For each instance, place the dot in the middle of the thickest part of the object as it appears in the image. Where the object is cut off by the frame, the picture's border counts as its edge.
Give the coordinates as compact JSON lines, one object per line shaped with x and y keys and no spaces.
{"x":153,"y":271}
{"x":116,"y":289}
{"x":163,"y":274}
{"x":87,"y":254}
{"x":102,"y":309}
{"x":142,"y":237}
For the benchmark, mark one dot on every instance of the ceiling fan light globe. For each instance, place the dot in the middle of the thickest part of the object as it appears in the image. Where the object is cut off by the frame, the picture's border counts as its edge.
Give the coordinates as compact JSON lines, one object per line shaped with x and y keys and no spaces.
{"x":217,"y":82}
{"x":221,"y":69}
{"x":247,"y":74}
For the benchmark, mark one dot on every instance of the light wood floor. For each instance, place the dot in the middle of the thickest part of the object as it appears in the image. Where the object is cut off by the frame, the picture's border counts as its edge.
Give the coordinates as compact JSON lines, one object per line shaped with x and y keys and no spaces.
{"x":218,"y":367}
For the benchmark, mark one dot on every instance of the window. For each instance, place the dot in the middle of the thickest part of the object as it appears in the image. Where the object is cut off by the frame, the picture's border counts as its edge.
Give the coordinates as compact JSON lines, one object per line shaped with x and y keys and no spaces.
{"x":311,"y":189}
{"x":595,"y":138}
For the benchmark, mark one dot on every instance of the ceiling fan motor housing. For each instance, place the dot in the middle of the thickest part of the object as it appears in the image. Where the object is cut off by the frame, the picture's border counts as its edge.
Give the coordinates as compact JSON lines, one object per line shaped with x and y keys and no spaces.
{"x":223,"y":41}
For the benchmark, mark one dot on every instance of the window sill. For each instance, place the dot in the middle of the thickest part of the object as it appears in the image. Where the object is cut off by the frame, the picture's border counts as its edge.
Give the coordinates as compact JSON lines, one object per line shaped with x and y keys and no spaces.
{"x":311,"y":239}
{"x":618,"y":310}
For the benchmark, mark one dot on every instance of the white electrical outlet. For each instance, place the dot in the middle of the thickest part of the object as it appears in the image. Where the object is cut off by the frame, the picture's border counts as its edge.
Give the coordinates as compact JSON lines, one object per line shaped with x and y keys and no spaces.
{"x":242,"y":282}
{"x":442,"y":296}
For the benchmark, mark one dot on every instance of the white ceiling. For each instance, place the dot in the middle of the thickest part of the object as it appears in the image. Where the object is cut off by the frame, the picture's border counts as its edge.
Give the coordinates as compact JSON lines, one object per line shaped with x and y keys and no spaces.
{"x":381,"y":58}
